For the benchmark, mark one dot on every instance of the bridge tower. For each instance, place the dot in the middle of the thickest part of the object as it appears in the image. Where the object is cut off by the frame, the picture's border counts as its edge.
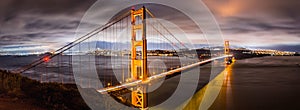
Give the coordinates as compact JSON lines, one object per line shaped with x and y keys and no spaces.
{"x":139,"y":62}
{"x":227,"y":52}
{"x":226,"y":47}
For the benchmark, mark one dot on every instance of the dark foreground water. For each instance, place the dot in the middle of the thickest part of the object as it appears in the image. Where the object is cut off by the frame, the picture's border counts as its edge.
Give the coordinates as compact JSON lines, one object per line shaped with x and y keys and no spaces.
{"x":266,"y":83}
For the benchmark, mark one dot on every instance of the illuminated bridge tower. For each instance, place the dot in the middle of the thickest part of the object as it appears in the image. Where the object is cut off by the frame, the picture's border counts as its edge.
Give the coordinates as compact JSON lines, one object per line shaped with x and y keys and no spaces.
{"x":139,"y":62}
{"x":228,"y":60}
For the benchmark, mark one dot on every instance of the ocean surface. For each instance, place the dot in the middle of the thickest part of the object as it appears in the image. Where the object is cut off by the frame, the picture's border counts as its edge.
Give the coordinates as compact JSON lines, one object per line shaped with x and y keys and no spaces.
{"x":262,"y":83}
{"x":265,"y":83}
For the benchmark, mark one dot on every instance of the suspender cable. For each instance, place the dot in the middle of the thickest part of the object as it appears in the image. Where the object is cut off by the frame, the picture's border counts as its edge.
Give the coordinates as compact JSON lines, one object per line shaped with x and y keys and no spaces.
{"x":72,"y":44}
{"x":147,"y":10}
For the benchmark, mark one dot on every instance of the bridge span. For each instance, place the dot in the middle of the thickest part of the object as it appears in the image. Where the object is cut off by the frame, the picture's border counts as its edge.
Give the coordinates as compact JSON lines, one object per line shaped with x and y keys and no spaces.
{"x":133,"y":38}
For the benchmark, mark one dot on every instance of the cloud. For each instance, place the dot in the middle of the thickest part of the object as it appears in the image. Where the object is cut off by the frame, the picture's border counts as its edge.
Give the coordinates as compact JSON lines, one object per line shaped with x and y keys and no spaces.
{"x":269,"y":22}
{"x":53,"y":23}
{"x":40,"y":22}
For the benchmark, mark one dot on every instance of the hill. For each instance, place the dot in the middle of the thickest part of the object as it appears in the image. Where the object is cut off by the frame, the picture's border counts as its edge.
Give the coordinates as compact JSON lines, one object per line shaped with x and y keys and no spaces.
{"x":30,"y":94}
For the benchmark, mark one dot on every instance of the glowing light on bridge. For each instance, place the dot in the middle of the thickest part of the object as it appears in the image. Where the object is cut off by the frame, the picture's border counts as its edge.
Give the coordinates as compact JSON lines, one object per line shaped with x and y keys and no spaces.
{"x":46,"y":59}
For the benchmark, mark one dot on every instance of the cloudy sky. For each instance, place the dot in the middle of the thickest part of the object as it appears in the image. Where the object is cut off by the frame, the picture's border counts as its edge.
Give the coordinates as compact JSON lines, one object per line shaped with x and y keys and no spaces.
{"x":259,"y":22}
{"x":47,"y":24}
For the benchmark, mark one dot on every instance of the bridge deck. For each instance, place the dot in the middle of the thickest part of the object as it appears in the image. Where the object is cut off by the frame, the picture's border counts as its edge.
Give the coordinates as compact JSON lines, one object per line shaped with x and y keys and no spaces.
{"x":161,"y":75}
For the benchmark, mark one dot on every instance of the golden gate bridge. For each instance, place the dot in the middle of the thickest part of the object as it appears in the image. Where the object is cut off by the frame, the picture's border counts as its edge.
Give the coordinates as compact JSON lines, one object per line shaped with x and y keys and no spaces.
{"x":123,"y":44}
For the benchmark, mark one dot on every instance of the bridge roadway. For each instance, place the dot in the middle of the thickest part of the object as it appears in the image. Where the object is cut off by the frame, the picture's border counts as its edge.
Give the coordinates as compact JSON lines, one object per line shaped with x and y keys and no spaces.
{"x":161,"y":75}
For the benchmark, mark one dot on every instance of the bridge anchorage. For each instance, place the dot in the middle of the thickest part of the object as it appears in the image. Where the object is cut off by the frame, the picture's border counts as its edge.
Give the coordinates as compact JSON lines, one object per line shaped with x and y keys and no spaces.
{"x":125,"y":68}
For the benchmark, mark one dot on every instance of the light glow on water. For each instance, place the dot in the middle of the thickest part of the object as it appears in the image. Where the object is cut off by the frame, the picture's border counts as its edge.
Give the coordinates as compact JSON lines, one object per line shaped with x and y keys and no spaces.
{"x":205,"y":97}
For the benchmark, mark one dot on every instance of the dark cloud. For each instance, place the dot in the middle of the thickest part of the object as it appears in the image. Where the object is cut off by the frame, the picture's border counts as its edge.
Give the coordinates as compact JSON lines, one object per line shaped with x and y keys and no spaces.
{"x":11,"y":7}
{"x":250,"y":25}
{"x":51,"y":25}
{"x":25,"y":22}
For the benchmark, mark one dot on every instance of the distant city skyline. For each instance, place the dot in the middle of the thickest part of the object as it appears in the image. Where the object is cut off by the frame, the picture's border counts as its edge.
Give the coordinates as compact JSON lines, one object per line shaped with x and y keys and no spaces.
{"x":36,"y":49}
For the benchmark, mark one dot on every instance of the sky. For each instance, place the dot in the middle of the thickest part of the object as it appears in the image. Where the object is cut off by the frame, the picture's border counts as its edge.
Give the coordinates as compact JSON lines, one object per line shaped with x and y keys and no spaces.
{"x":45,"y":25}
{"x":259,"y":22}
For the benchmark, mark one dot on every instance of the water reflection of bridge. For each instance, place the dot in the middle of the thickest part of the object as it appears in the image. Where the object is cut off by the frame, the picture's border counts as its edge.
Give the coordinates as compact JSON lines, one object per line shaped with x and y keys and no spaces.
{"x":198,"y":99}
